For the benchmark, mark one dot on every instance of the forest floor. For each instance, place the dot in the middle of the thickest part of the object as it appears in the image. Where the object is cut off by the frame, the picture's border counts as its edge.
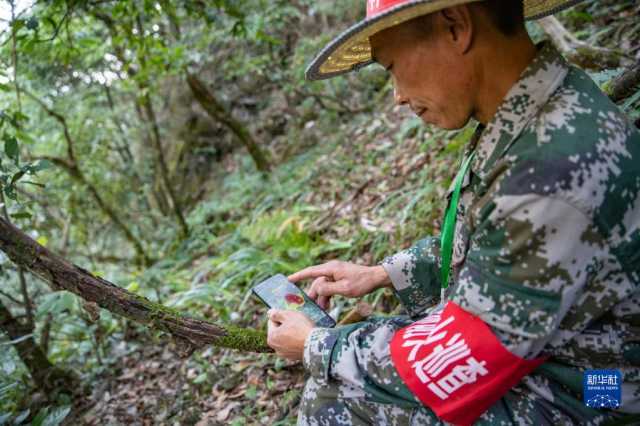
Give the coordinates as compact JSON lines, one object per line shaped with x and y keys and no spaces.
{"x":154,"y":386}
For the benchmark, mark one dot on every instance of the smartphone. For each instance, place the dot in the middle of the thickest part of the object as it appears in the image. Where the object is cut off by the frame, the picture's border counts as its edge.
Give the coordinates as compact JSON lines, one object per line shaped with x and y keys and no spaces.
{"x":278,"y":293}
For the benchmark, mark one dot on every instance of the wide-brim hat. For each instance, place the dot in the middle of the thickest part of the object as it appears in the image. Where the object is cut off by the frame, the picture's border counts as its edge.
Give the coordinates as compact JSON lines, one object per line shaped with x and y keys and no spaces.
{"x":351,"y":50}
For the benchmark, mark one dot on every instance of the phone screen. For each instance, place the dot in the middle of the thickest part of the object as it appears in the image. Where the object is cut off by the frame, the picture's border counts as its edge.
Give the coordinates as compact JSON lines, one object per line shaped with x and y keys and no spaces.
{"x":278,"y":293}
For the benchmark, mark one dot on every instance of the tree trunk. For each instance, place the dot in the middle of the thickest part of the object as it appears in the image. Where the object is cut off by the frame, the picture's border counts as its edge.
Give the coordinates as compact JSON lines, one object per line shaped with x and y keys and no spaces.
{"x":218,"y":112}
{"x":157,"y":141}
{"x":46,"y":376}
{"x":164,"y":170}
{"x":190,"y":333}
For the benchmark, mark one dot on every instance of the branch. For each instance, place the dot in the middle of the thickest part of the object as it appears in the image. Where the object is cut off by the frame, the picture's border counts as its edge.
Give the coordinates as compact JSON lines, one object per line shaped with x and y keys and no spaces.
{"x":144,"y":87}
{"x":45,"y":335}
{"x":191,"y":333}
{"x":57,"y":117}
{"x":11,"y":298}
{"x":625,"y":85}
{"x":359,"y":313}
{"x":54,"y":215}
{"x":56,"y":27}
{"x":577,"y":51}
{"x":342,"y":106}
{"x":162,"y":162}
{"x":219,"y":113}
{"x":71,"y":166}
{"x":9,"y":21}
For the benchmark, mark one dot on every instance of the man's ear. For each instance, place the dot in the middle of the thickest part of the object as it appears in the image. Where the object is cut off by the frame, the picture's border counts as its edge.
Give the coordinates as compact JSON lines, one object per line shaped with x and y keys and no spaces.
{"x":459,"y":26}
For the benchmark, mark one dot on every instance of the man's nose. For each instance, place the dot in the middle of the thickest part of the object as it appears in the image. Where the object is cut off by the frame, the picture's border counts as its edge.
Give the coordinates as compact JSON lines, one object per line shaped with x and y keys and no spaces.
{"x":399,"y":98}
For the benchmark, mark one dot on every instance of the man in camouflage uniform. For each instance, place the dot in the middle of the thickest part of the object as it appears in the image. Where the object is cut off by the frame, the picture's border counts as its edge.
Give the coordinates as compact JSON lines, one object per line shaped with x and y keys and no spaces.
{"x":546,"y":253}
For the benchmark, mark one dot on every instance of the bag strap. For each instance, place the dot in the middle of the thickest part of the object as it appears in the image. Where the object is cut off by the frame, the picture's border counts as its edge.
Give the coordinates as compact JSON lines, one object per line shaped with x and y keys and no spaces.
{"x":449,"y":226}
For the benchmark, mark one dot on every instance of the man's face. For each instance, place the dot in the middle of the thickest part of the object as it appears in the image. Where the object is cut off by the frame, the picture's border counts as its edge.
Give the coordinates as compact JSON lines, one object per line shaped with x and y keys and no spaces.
{"x":429,"y":77}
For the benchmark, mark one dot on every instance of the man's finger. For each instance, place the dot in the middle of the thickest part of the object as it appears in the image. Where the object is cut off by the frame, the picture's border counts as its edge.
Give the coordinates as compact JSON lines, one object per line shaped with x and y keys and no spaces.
{"x":312,"y":272}
{"x":313,"y":290}
{"x":323,"y":302}
{"x":330,"y":288}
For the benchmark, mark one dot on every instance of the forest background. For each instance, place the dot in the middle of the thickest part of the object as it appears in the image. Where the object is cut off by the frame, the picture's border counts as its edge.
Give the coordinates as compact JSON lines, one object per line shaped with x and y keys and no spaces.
{"x":174,"y":148}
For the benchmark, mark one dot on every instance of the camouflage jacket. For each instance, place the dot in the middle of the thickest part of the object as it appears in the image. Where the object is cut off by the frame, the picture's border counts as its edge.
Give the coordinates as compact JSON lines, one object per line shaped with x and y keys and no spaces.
{"x":546,"y":250}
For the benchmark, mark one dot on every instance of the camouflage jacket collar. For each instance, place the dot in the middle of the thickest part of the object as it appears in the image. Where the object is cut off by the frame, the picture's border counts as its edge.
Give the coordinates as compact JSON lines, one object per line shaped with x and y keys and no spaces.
{"x":523,"y":102}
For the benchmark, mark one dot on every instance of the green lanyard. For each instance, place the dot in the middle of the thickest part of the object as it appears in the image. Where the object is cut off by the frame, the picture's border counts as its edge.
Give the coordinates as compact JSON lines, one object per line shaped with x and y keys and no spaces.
{"x":449,"y":227}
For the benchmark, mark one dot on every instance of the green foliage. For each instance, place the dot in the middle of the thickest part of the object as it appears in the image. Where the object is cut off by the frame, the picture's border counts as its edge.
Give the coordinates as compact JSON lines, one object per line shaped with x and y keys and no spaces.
{"x":57,"y":303}
{"x":14,"y":170}
{"x":354,"y":179}
{"x":54,"y":417}
{"x":14,"y":381}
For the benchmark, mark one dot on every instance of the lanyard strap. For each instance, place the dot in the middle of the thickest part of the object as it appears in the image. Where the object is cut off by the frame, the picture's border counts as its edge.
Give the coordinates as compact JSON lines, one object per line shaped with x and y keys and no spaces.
{"x":449,"y":227}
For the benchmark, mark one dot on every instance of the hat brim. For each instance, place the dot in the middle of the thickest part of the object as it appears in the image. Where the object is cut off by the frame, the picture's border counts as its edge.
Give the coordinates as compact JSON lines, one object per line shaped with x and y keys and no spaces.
{"x":536,"y":9}
{"x":351,"y":50}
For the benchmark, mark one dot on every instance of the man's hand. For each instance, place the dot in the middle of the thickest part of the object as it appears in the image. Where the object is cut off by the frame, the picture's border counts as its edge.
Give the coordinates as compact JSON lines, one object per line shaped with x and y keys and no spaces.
{"x":287,"y":331}
{"x":343,"y":278}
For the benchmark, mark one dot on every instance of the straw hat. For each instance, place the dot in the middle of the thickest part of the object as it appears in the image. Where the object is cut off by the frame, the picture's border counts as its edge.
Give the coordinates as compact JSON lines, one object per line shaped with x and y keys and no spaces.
{"x":351,"y":49}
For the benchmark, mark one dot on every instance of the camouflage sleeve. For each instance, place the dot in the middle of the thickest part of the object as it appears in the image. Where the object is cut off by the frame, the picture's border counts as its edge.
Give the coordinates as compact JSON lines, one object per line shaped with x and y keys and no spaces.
{"x":317,"y":352}
{"x":415,"y":275}
{"x":358,"y":358}
{"x":529,"y":261}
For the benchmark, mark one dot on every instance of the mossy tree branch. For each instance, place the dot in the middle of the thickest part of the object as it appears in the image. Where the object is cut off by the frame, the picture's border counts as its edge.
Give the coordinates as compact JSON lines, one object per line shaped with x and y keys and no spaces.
{"x":578,"y":52}
{"x":190,"y":333}
{"x":626,"y":84}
